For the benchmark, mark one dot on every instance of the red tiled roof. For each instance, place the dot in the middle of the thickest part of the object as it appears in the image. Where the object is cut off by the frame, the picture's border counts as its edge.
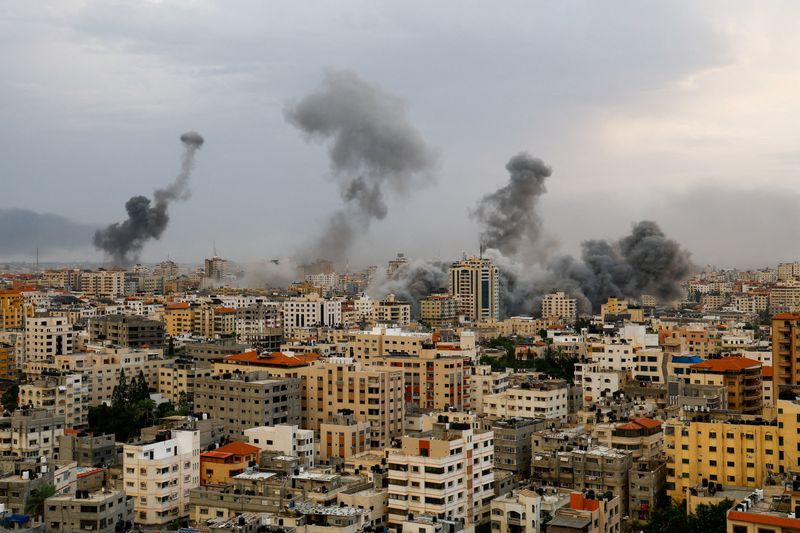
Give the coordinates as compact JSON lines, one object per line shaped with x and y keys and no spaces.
{"x":765,"y":519}
{"x":224,"y":310}
{"x":179,"y":305}
{"x":787,"y":316}
{"x":214,"y":454}
{"x":273,"y":359}
{"x":767,"y":372}
{"x":726,"y":364}
{"x":238,"y":448}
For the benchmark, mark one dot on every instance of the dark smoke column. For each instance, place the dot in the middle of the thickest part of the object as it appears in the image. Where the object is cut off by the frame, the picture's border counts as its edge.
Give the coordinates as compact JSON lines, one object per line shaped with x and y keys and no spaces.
{"x":123,"y":241}
{"x":372,"y":145}
{"x":510,"y":222}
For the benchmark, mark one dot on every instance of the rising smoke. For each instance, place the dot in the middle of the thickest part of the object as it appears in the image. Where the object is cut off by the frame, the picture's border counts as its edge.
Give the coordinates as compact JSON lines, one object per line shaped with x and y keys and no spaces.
{"x":23,"y":231}
{"x":644,"y":262}
{"x":508,"y":215}
{"x":371,"y":146}
{"x":412,"y":282}
{"x":123,"y":241}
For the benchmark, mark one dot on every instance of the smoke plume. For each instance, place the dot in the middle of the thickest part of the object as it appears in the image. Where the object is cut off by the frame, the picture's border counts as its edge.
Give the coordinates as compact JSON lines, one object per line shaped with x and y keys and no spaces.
{"x":510,"y":222}
{"x":412,"y":282}
{"x":147,"y":220}
{"x":372,"y":146}
{"x":24,"y":230}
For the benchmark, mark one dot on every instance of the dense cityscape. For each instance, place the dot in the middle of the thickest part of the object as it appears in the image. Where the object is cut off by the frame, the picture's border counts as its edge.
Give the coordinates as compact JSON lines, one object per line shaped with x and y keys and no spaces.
{"x":164,"y":396}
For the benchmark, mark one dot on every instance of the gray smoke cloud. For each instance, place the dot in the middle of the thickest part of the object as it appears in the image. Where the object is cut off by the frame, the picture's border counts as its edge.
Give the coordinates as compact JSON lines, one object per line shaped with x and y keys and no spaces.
{"x":23,"y":230}
{"x":412,"y":282}
{"x":371,"y":146}
{"x":123,"y":241}
{"x":508,"y":215}
{"x":644,"y":262}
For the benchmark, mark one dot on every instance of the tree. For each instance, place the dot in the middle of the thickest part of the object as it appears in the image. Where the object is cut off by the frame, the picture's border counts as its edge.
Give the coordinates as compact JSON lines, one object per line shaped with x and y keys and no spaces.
{"x":171,"y":348}
{"x":10,"y":398}
{"x":120,"y":396}
{"x":705,"y":519}
{"x":139,"y":389}
{"x":35,"y":504}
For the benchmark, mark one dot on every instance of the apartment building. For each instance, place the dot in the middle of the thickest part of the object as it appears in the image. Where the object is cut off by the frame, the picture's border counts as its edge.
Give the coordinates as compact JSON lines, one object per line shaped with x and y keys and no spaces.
{"x":786,"y":349}
{"x":434,"y":379}
{"x":439,"y":310}
{"x":158,"y":475}
{"x":484,"y":382}
{"x":284,"y":439}
{"x":392,"y":311}
{"x":66,"y":395}
{"x":560,"y":306}
{"x":103,"y":283}
{"x":596,"y":468}
{"x":741,"y":376}
{"x":87,"y":449}
{"x":366,"y":346}
{"x":447,"y":473}
{"x":343,"y":436}
{"x":127,"y":331}
{"x":8,"y":361}
{"x":643,"y":437}
{"x":176,"y":378}
{"x":103,"y":511}
{"x":542,"y":399}
{"x":47,"y":337}
{"x":512,"y":444}
{"x":101,"y":369}
{"x":588,"y":513}
{"x":310,"y":311}
{"x":475,"y":282}
{"x":31,"y":433}
{"x":247,"y":400}
{"x":12,"y":309}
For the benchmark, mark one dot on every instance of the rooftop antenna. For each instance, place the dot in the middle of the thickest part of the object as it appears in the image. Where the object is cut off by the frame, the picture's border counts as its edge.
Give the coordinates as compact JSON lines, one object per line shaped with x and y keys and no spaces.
{"x":214,"y":245}
{"x":37,"y":259}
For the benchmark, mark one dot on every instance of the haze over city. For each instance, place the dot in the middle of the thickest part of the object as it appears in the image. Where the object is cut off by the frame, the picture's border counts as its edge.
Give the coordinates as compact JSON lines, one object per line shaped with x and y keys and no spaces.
{"x":675,"y":112}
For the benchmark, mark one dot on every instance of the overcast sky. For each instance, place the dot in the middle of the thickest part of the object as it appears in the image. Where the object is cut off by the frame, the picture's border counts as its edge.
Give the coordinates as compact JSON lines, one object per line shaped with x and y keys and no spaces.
{"x":681,"y":112}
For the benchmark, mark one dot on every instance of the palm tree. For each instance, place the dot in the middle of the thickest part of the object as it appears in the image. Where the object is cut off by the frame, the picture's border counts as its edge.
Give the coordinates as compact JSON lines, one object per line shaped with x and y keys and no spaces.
{"x":35,"y":505}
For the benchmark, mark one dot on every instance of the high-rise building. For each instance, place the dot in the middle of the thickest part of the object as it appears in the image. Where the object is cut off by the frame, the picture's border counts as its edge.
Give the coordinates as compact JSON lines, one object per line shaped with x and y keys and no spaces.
{"x":215,"y":268}
{"x":475,"y":281}
{"x":785,"y":349}
{"x":439,"y":310}
{"x":11,"y":310}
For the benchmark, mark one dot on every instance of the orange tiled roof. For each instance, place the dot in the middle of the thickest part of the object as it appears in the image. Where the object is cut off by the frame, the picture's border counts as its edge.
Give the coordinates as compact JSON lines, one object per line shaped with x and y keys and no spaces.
{"x":765,"y":519}
{"x":787,"y":316}
{"x":726,"y":364}
{"x":238,"y":448}
{"x":224,"y":310}
{"x":273,"y":359}
{"x":767,"y":372}
{"x":179,"y":305}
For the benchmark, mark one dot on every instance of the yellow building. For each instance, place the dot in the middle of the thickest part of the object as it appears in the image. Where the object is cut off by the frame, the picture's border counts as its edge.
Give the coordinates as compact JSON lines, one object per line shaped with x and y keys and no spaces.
{"x":220,"y":465}
{"x":741,"y":376}
{"x":616,"y":308}
{"x":739,"y":452}
{"x":786,"y":349}
{"x":179,"y":319}
{"x":11,"y":310}
{"x":8,"y":368}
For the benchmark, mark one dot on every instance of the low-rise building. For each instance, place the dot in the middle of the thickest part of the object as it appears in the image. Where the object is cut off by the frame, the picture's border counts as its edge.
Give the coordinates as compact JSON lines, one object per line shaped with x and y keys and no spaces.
{"x":222,"y":464}
{"x":284,"y":439}
{"x":103,"y":511}
{"x":541,"y":399}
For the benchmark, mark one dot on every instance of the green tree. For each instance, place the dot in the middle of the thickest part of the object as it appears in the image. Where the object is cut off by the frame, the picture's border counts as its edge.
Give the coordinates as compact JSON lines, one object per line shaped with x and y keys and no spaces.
{"x":139,"y":389}
{"x":35,"y":504}
{"x":185,"y":403}
{"x":705,"y":519}
{"x":10,"y":398}
{"x":120,"y":396}
{"x":171,"y":348}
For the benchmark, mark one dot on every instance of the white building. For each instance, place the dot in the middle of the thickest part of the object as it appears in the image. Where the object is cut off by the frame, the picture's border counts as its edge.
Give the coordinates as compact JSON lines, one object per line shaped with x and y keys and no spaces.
{"x":65,"y":395}
{"x":285,"y":439}
{"x":483,"y":382}
{"x":159,"y":475}
{"x":310,"y":311}
{"x":46,"y":337}
{"x":447,"y":472}
{"x":546,"y":399}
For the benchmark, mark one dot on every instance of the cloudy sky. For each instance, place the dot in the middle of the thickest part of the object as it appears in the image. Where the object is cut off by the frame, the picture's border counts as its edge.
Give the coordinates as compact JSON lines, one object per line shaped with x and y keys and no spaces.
{"x":681,"y":112}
